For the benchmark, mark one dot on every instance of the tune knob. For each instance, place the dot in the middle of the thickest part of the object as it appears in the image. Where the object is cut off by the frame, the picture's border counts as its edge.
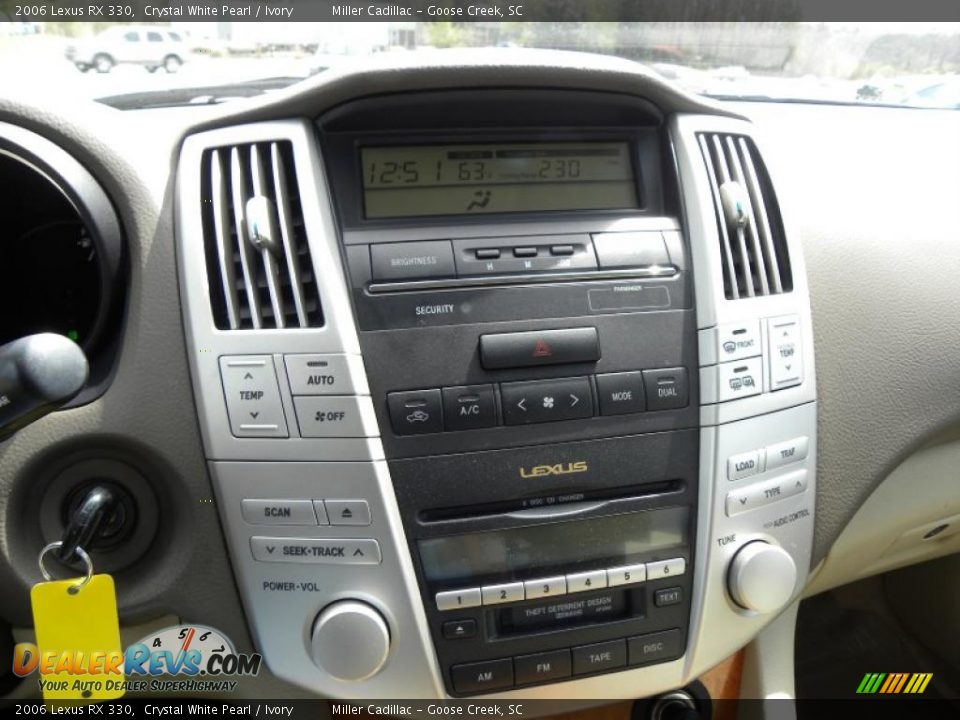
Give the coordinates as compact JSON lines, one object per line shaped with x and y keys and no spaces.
{"x":350,"y":640}
{"x":762,"y":577}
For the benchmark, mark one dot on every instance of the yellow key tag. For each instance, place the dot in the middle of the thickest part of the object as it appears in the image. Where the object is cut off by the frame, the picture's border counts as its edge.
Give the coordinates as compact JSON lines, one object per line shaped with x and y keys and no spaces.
{"x":78,"y":639}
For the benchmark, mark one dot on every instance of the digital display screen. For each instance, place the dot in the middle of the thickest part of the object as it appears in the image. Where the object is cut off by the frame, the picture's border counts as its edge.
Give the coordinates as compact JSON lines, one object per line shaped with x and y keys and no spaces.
{"x":615,"y":540}
{"x":425,"y":180}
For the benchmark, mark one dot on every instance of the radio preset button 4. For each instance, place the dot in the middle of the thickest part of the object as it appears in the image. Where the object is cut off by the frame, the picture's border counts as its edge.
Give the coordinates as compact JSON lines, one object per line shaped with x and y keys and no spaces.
{"x":666,"y":569}
{"x":584,"y":581}
{"x":626,"y":575}
{"x":505,"y":593}
{"x":545,"y":587}
{"x":458,"y":599}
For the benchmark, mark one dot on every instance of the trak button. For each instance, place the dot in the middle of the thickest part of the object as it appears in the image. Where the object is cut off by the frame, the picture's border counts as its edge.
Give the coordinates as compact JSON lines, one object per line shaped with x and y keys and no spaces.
{"x":787,"y":452}
{"x":415,"y":412}
{"x":348,"y":512}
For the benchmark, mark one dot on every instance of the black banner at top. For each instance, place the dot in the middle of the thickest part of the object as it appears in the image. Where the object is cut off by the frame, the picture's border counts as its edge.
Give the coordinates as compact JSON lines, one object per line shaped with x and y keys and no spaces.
{"x":467,"y":11}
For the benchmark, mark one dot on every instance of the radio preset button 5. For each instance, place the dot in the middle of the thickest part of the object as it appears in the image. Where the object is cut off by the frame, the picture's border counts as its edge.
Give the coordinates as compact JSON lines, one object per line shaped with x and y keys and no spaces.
{"x":545,"y":587}
{"x":666,"y":569}
{"x":505,"y":593}
{"x":278,"y":512}
{"x":626,"y":575}
{"x":458,"y":599}
{"x":582,"y":582}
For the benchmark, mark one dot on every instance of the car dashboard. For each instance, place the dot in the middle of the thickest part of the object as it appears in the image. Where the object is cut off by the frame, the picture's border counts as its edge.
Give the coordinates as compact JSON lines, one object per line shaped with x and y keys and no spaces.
{"x":521,"y":379}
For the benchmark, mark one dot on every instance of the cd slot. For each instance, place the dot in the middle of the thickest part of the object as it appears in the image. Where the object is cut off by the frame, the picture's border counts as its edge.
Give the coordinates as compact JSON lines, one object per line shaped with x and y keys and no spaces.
{"x":567,"y":503}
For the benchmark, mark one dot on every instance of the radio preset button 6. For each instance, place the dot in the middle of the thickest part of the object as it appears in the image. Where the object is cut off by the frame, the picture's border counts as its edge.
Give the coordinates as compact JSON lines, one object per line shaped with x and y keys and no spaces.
{"x":626,"y":575}
{"x":666,"y":569}
{"x":590,"y":580}
{"x":279,"y":512}
{"x":505,"y":593}
{"x":540,"y":401}
{"x":458,"y":599}
{"x":545,"y":587}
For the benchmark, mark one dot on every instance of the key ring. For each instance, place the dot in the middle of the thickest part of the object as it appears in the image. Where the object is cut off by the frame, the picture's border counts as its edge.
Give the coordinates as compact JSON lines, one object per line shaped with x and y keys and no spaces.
{"x":77,"y":587}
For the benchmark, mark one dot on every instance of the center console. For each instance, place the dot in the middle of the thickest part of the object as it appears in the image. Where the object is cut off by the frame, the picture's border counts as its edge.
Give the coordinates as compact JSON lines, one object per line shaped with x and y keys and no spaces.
{"x":550,"y":416}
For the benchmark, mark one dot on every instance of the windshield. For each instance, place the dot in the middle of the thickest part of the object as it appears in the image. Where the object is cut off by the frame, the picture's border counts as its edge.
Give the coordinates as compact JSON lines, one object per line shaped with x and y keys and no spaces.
{"x":903,"y":64}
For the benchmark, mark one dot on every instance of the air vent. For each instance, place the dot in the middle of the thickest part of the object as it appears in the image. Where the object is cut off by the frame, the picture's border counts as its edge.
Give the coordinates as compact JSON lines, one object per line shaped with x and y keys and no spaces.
{"x":258,"y":260}
{"x":752,"y":242}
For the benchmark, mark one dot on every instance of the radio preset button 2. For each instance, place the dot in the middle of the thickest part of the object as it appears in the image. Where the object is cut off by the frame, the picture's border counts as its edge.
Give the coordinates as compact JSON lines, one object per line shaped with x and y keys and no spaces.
{"x":626,"y":575}
{"x":666,"y":569}
{"x":505,"y":593}
{"x":458,"y":599}
{"x":348,"y":512}
{"x":584,"y":581}
{"x":278,"y":512}
{"x":545,"y":587}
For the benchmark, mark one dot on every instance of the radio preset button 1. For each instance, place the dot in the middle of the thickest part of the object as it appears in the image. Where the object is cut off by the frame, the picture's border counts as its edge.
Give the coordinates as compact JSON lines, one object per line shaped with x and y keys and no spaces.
{"x":599,"y":656}
{"x":415,"y":412}
{"x":483,"y":676}
{"x":350,"y":551}
{"x":504,"y":593}
{"x":278,"y":512}
{"x":787,"y":452}
{"x":655,"y":647}
{"x":458,"y":599}
{"x":336,"y":416}
{"x":545,"y":587}
{"x":584,"y":581}
{"x":666,"y":388}
{"x":626,"y":575}
{"x":538,"y":401}
{"x":620,"y":393}
{"x":744,"y":465}
{"x":666,"y":569}
{"x":412,"y":260}
{"x":469,"y":407}
{"x":348,"y":512}
{"x":542,"y":666}
{"x":253,"y":397}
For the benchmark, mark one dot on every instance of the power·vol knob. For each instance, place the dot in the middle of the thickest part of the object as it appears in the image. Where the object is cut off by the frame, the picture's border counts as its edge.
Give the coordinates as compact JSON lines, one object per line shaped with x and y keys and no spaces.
{"x":762,"y":577}
{"x":350,"y":640}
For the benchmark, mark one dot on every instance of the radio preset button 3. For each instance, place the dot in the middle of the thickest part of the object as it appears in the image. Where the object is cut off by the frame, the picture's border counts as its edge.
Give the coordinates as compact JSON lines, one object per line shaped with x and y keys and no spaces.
{"x":584,"y":581}
{"x":505,"y":593}
{"x":545,"y":587}
{"x":626,"y":575}
{"x":458,"y":599}
{"x":666,"y":569}
{"x":278,"y":512}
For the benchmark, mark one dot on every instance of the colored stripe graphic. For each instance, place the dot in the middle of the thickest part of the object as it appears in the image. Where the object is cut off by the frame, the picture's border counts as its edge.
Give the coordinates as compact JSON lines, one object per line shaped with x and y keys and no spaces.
{"x":894,"y":683}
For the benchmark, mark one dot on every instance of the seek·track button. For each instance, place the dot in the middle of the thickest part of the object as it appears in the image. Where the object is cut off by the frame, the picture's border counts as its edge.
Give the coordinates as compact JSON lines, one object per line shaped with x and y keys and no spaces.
{"x":316,"y":550}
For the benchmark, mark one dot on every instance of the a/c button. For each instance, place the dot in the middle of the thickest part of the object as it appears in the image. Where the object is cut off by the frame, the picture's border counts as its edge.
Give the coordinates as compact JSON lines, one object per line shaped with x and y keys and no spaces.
{"x":469,"y":407}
